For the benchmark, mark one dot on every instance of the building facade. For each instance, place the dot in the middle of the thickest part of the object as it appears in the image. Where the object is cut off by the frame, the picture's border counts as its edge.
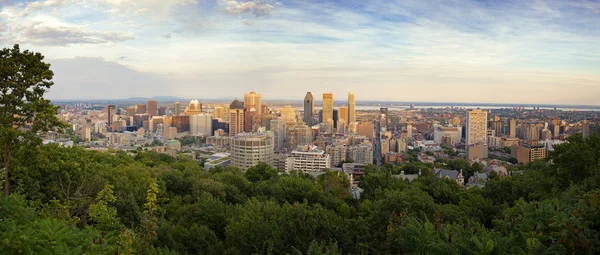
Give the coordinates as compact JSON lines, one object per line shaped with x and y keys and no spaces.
{"x":327,"y":106}
{"x":247,"y":150}
{"x":307,"y":159}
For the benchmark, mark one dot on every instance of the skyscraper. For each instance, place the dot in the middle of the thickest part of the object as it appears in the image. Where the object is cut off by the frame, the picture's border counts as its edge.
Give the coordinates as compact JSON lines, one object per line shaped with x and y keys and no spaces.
{"x":255,"y":100}
{"x":247,"y":150}
{"x":351,"y":108}
{"x":288,"y":114}
{"x":513,"y":128}
{"x":111,"y":110}
{"x":309,"y":108}
{"x":343,"y":113}
{"x":141,"y":108}
{"x":194,"y":108}
{"x":236,"y":118}
{"x":327,"y":106}
{"x":153,"y":107}
{"x":177,"y":109}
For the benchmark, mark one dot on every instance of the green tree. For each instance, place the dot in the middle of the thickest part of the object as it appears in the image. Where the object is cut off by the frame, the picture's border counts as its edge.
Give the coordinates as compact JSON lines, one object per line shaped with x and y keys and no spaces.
{"x":102,"y":212}
{"x":261,"y":172}
{"x":24,"y":79}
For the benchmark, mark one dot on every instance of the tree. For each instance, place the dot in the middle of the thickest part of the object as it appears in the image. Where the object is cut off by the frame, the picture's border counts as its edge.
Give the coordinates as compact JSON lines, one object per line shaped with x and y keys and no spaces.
{"x":24,"y":79}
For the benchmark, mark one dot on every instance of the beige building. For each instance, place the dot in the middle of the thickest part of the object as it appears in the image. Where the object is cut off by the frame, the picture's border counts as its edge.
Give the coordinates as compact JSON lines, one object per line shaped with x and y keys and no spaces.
{"x":338,"y":153}
{"x":476,"y":136}
{"x":327,"y":106}
{"x":219,"y":112}
{"x":253,"y":99}
{"x":236,"y":118}
{"x":247,"y":150}
{"x":288,"y":114}
{"x":366,"y":129}
{"x":177,"y":109}
{"x":351,"y":108}
{"x":526,"y":154}
{"x":152,"y":107}
{"x":343,"y":113}
{"x":194,"y":108}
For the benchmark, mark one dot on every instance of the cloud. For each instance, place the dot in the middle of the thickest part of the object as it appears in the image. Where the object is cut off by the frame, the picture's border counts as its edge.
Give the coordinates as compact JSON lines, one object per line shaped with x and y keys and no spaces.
{"x":40,"y":33}
{"x":256,"y":8}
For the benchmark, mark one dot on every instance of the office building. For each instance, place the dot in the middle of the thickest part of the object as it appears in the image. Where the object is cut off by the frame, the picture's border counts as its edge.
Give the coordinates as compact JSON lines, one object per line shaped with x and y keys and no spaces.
{"x":309,"y":109}
{"x":162,"y":111}
{"x":177,"y":109}
{"x":130,"y":111}
{"x":307,"y":159}
{"x":255,"y":100}
{"x":497,"y":126}
{"x":182,"y":123}
{"x":194,"y":108}
{"x":512,"y":128}
{"x":351,"y":108}
{"x":141,"y":108}
{"x":279,"y":134}
{"x":153,"y":108}
{"x":111,"y":110}
{"x":327,"y":106}
{"x":366,"y":129}
{"x":247,"y":150}
{"x":201,"y":125}
{"x":343,"y":113}
{"x":236,"y":118}
{"x":219,"y":112}
{"x":288,"y":114}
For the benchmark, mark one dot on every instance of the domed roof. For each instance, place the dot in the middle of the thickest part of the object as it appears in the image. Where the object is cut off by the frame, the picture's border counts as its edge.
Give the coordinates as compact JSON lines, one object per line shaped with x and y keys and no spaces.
{"x":236,"y":105}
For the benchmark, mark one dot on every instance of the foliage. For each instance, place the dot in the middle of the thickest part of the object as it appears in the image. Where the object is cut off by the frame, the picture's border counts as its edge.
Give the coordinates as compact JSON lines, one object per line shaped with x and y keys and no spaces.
{"x":75,"y":201}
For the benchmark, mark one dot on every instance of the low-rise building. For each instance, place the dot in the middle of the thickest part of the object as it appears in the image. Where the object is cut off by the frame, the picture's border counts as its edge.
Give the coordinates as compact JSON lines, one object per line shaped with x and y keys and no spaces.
{"x":308,"y":159}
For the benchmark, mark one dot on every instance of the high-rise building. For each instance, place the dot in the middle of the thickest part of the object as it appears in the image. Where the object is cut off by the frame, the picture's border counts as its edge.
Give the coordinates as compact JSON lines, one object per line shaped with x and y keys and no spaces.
{"x":153,"y":107}
{"x":327,"y":106}
{"x":309,"y":108}
{"x":351,"y":108}
{"x":279,"y":133}
{"x":201,"y":125}
{"x":236,"y":118}
{"x":247,"y":150}
{"x":141,"y":108}
{"x":288,"y":114}
{"x":177,"y":109}
{"x":476,"y":127}
{"x":111,"y":110}
{"x":512,"y":128}
{"x":383,"y":118}
{"x":226,"y":115}
{"x":254,"y":99}
{"x":194,"y":108}
{"x":476,"y":134}
{"x":86,"y":133}
{"x":182,"y":123}
{"x":130,"y":111}
{"x":219,"y":112}
{"x":343,"y":113}
{"x":162,"y":111}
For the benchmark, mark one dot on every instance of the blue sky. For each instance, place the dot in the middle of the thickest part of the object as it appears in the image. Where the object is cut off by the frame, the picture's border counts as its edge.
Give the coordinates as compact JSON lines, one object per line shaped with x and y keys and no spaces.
{"x":450,"y":51}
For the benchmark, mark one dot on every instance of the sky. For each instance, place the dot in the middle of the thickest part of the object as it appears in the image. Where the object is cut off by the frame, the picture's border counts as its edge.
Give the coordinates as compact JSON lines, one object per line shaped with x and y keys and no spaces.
{"x":487,"y":51}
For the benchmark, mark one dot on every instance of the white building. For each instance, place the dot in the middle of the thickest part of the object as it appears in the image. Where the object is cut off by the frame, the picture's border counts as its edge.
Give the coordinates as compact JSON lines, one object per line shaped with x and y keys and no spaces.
{"x":247,"y":150}
{"x":453,"y":132}
{"x":201,"y":125}
{"x":307,"y":159}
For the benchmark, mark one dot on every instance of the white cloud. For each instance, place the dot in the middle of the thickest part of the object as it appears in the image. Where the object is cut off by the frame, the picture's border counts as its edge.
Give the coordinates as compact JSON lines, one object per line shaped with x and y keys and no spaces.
{"x":255,"y":8}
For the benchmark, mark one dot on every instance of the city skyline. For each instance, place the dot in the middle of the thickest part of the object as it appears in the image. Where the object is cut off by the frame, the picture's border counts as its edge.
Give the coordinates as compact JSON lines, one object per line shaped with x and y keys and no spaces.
{"x":539,"y":52}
